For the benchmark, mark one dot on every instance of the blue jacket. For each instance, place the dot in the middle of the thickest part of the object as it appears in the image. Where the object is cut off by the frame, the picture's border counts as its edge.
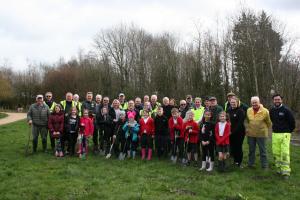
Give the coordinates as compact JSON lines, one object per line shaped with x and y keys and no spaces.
{"x":131,"y":131}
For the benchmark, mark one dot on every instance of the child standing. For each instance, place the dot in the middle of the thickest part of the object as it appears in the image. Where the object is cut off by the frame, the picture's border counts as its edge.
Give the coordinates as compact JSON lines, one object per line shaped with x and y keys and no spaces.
{"x":147,"y":134}
{"x":131,"y":129}
{"x":222,"y":132}
{"x":72,"y":127}
{"x":105,"y":122}
{"x":119,"y":134}
{"x":207,"y":139}
{"x":56,"y":126}
{"x":161,"y":132}
{"x":176,"y":134}
{"x":86,"y":130}
{"x":191,"y":129}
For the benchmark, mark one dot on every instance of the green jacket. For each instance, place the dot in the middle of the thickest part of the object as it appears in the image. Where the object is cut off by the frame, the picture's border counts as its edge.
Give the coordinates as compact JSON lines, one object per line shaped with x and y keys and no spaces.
{"x":38,"y":114}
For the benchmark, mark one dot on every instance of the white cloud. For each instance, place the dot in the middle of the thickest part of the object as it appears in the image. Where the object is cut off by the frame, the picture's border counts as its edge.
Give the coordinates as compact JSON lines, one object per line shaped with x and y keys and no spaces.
{"x":43,"y":31}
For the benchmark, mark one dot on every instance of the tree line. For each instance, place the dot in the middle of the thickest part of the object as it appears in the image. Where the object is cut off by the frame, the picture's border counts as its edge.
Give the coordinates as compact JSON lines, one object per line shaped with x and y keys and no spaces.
{"x":252,"y":56}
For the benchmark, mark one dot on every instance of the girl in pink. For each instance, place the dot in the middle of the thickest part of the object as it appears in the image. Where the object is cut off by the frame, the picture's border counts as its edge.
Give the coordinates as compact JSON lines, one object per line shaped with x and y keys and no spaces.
{"x":86,"y":130}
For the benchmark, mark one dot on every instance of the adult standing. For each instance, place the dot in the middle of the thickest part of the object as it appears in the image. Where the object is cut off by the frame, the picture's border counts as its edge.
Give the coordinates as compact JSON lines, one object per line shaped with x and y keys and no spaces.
{"x":257,"y":126}
{"x":123,"y":102}
{"x":237,"y":117}
{"x":189,"y":101}
{"x":283,"y":125}
{"x":227,"y":105}
{"x":215,"y":109}
{"x":68,"y":103}
{"x":198,"y":110}
{"x":89,"y":104}
{"x":182,"y":108}
{"x":51,"y":104}
{"x":37,"y":116}
{"x":154,"y":105}
{"x":77,"y":103}
{"x":167,"y":107}
{"x":131,"y":109}
{"x":138,"y":104}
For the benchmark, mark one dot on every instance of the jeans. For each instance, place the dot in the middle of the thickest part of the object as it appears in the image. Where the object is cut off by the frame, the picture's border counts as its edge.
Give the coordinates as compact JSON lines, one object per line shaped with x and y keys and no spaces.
{"x":261,"y":142}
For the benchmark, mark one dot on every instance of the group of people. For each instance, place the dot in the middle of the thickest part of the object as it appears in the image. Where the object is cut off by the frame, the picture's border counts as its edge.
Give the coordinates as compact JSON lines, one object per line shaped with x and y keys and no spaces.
{"x":183,"y":132}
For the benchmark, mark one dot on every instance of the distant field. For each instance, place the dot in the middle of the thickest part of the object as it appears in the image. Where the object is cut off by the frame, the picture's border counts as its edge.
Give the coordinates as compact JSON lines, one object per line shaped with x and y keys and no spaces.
{"x":42,"y":176}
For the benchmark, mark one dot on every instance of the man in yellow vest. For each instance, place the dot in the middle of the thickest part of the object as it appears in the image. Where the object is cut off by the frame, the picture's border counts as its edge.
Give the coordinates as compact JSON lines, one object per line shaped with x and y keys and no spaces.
{"x":154,"y":104}
{"x":78,"y":104}
{"x":198,"y":110}
{"x":123,"y":103}
{"x":68,"y":103}
{"x":51,"y":104}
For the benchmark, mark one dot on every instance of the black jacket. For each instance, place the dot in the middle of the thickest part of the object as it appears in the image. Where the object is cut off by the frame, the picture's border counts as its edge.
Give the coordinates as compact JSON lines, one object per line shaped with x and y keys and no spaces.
{"x":282,"y":119}
{"x":72,"y":124}
{"x":237,"y":117}
{"x":90,"y":106}
{"x":207,"y":130}
{"x":105,"y":123}
{"x":167,"y":110}
{"x":161,"y":125}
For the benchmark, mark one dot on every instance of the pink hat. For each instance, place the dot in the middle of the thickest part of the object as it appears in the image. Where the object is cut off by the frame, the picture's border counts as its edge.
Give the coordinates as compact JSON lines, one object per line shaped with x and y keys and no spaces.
{"x":130,"y":115}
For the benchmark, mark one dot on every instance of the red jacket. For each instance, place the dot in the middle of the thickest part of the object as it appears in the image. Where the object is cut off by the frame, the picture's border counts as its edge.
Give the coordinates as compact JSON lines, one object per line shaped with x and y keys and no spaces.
{"x":193,"y":136}
{"x":149,"y":126}
{"x":88,"y":125}
{"x":222,"y":140}
{"x":56,"y":123}
{"x":173,"y":127}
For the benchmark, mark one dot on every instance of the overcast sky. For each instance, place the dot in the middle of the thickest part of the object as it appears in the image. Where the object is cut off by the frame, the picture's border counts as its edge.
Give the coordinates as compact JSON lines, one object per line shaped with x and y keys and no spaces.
{"x":42,"y":31}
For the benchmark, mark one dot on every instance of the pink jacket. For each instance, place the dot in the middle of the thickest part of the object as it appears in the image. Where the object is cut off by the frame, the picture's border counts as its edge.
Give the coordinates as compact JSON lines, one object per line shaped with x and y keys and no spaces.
{"x":88,"y":124}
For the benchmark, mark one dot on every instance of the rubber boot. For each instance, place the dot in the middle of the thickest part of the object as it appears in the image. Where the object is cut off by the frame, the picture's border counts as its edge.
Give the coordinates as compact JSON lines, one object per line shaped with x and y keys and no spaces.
{"x":34,"y":145}
{"x":133,"y":155}
{"x":211,"y":166}
{"x":128,"y":154}
{"x":203,"y":167}
{"x":143,"y":153}
{"x":149,"y":154}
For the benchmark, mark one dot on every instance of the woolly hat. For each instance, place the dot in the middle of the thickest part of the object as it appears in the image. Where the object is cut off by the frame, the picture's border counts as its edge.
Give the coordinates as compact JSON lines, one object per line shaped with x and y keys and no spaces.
{"x":130,"y":115}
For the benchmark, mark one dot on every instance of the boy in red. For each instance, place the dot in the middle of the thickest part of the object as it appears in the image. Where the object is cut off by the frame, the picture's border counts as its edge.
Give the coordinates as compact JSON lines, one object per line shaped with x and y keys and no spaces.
{"x":146,"y":134}
{"x":222,"y":132}
{"x":86,"y":130}
{"x":176,"y":134}
{"x":191,"y":129}
{"x":56,"y":126}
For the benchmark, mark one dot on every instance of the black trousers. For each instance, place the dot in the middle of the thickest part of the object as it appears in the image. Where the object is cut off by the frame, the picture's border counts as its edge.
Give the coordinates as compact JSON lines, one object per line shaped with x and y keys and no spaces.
{"x":161,"y":145}
{"x":208,"y":150}
{"x":236,"y":147}
{"x":178,"y":145}
{"x":72,"y":140}
{"x":147,"y":141}
{"x":130,"y":145}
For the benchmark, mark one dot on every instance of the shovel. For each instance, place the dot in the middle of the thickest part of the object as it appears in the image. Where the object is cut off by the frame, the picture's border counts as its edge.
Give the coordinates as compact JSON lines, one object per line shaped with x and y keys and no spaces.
{"x":111,"y":146}
{"x":28,"y":142}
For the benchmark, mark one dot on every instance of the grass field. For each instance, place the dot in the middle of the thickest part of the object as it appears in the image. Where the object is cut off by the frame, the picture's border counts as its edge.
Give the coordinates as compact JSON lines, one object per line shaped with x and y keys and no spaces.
{"x":2,"y":115}
{"x":42,"y":176}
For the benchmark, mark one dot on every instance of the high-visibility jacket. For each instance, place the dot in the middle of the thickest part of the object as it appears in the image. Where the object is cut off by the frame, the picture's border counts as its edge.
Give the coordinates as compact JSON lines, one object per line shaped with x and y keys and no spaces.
{"x":52,"y":106}
{"x":64,"y":104}
{"x":124,"y":106}
{"x":154,"y":108}
{"x":198,"y":113}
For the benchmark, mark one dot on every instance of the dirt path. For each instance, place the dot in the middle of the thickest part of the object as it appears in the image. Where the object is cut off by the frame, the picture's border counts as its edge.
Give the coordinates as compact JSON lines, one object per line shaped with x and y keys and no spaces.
{"x":12,"y":117}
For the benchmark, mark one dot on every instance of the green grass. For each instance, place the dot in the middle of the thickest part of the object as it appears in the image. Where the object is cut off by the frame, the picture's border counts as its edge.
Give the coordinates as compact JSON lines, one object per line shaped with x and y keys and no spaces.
{"x":3,"y":115}
{"x":42,"y":176}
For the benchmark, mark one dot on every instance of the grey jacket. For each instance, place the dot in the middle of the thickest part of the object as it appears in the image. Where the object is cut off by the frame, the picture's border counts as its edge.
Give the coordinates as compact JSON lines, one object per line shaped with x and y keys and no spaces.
{"x":38,"y":114}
